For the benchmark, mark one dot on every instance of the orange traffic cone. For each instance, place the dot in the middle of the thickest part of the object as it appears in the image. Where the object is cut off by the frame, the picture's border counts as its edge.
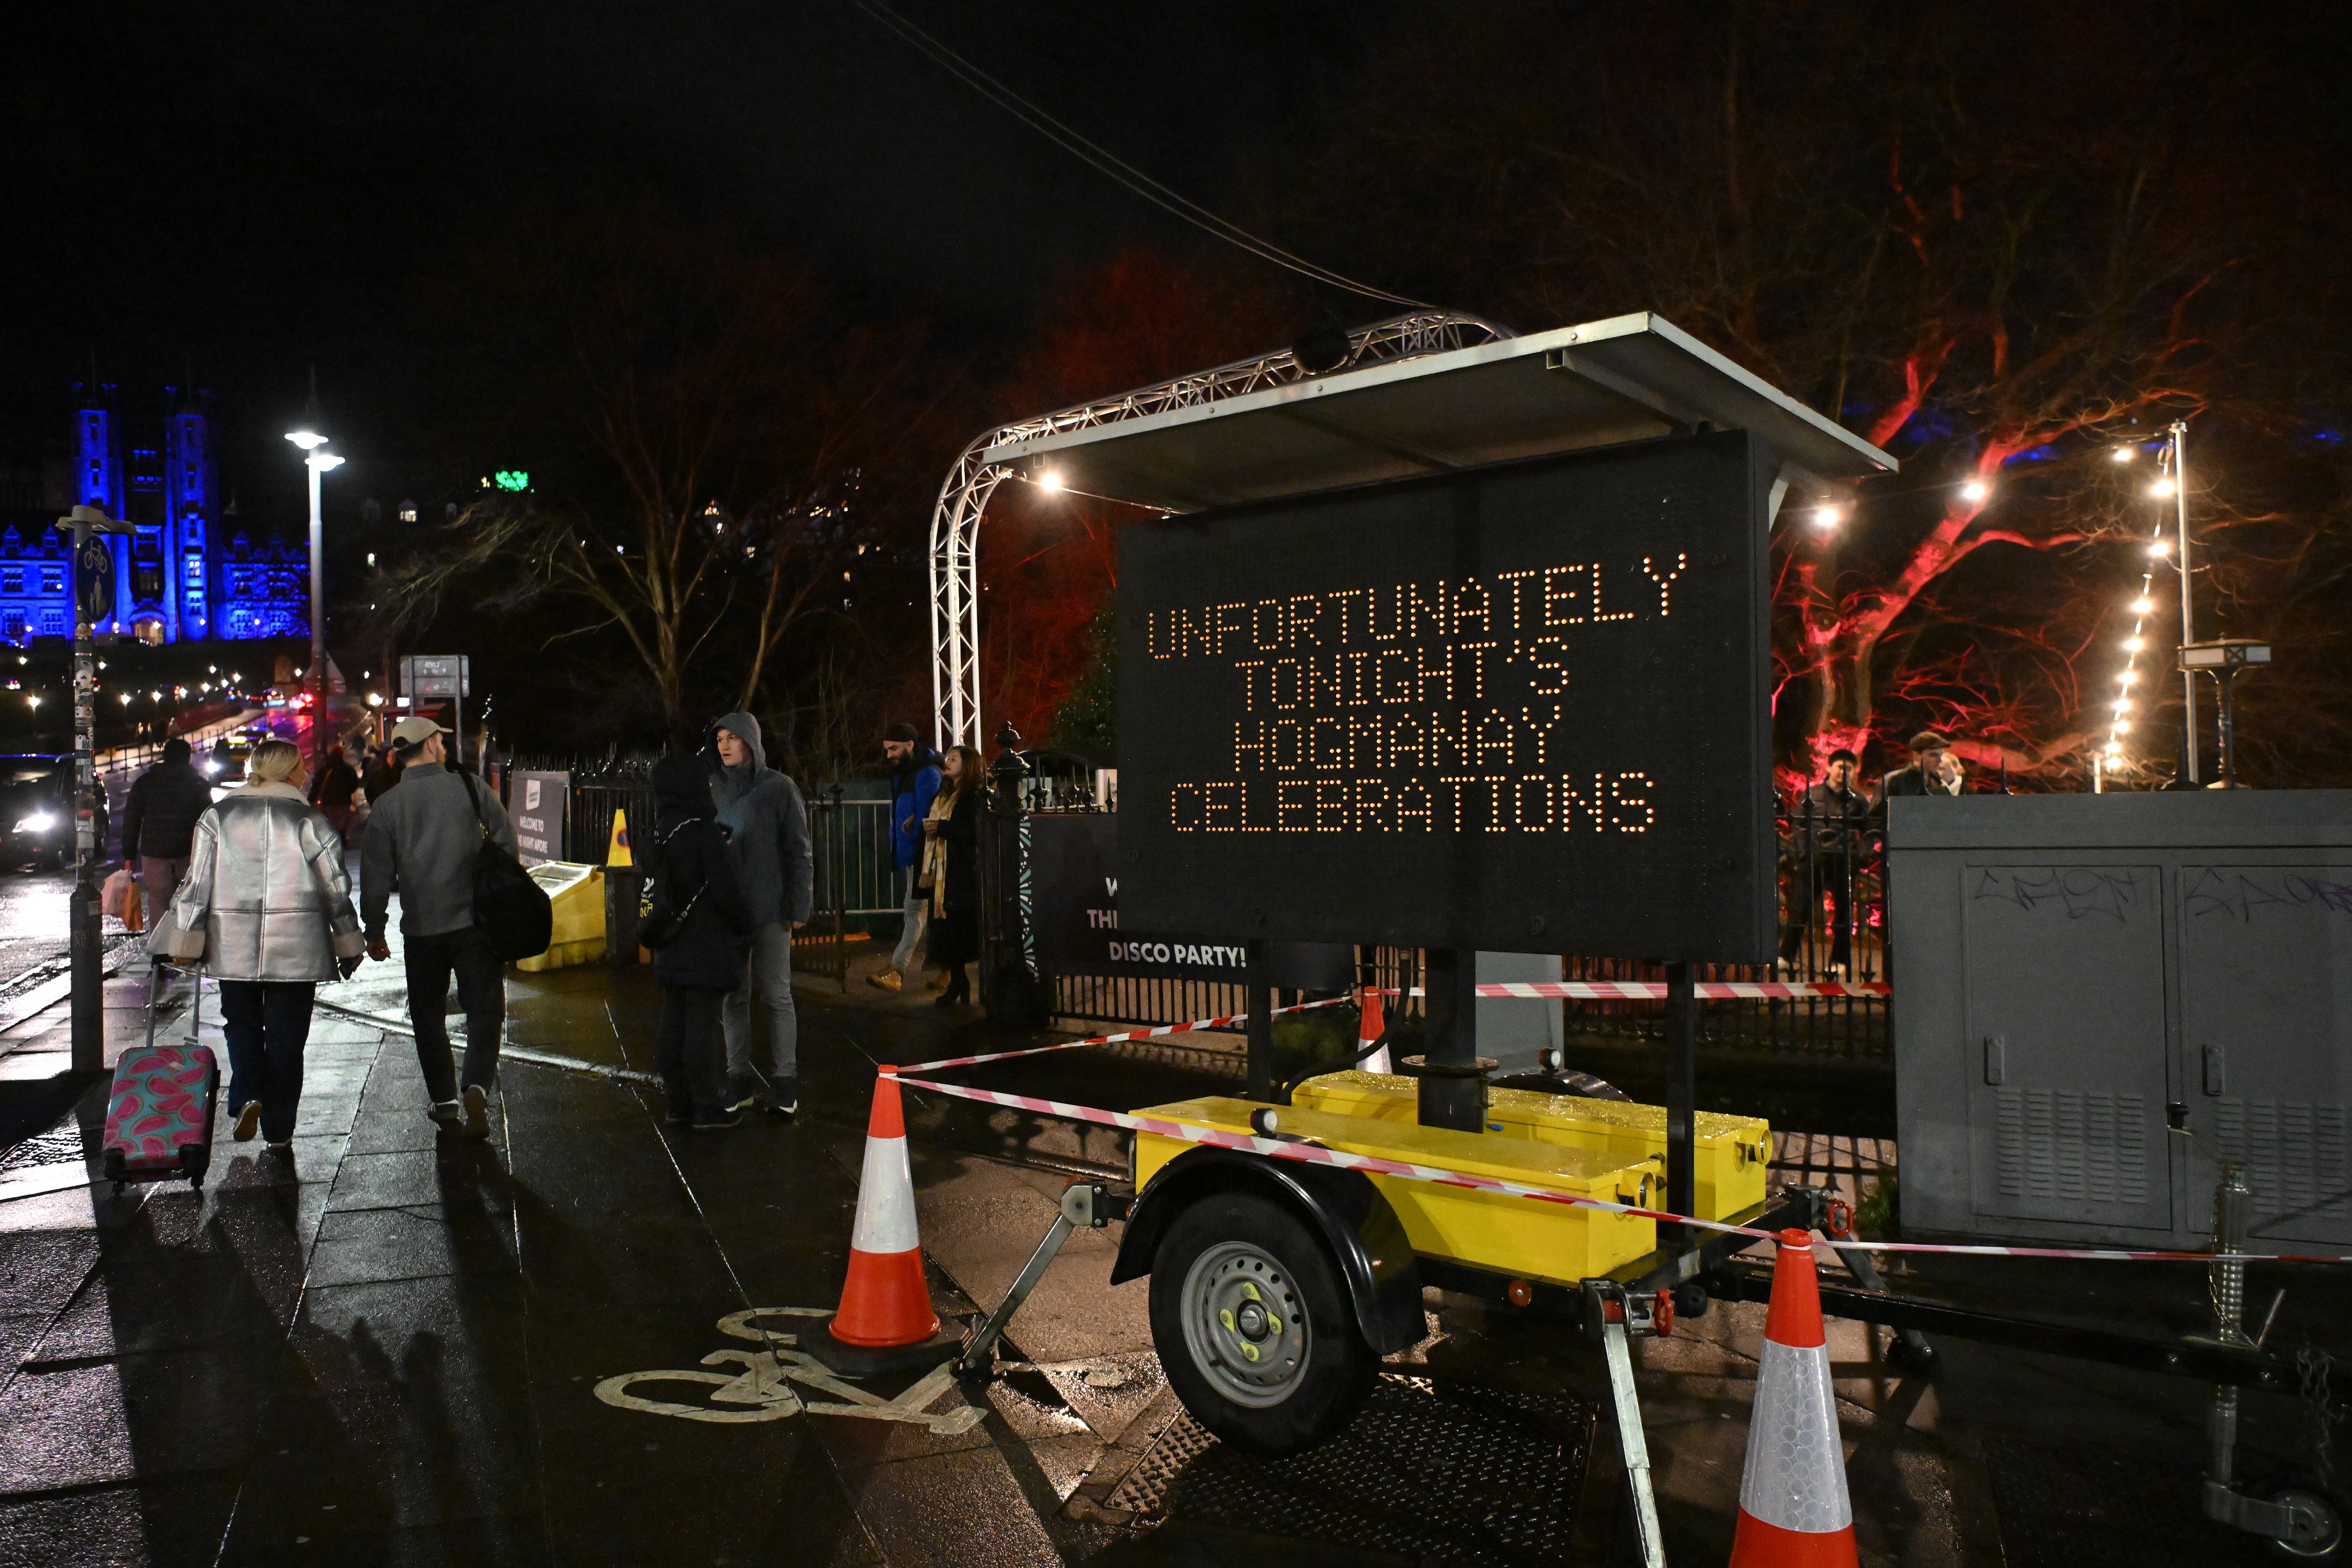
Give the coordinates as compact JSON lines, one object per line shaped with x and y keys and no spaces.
{"x":885,"y":1323}
{"x":1370,"y":1029}
{"x":1793,"y":1510}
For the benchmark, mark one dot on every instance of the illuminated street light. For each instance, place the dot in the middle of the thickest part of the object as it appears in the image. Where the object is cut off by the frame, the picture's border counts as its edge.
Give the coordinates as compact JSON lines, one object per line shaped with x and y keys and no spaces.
{"x":2133,"y":645}
{"x":1827,"y":516}
{"x":309,"y":440}
{"x":2143,"y":605}
{"x":2159,"y":547}
{"x":2161,"y":489}
{"x":1975,"y":490}
{"x":2126,"y":454}
{"x":1051,"y":480}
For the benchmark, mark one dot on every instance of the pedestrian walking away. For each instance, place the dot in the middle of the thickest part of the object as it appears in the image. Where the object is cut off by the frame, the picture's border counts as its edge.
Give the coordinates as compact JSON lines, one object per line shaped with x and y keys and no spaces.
{"x":951,"y":861}
{"x":159,"y":821}
{"x":420,"y":842}
{"x":769,"y":823}
{"x":267,"y":906}
{"x":705,"y":924}
{"x":332,"y":790}
{"x":914,"y":785}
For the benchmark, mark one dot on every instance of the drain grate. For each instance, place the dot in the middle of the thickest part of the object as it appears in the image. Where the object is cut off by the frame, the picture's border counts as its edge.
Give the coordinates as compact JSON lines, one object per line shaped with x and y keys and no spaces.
{"x":1443,"y":1469}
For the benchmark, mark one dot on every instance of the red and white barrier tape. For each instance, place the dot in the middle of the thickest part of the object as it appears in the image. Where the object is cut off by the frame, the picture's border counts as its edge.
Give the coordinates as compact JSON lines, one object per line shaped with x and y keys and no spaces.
{"x":1655,"y":990}
{"x":1373,"y":1165}
{"x":1117,"y":1039}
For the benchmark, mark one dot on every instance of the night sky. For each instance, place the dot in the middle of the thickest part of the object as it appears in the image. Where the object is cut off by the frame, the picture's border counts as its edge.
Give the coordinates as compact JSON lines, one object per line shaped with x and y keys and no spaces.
{"x":252,"y":196}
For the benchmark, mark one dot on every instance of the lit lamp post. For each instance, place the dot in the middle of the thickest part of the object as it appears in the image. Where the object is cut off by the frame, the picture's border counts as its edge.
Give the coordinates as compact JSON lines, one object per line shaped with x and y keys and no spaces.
{"x":93,"y":599}
{"x":318,"y":461}
{"x":2223,"y":658}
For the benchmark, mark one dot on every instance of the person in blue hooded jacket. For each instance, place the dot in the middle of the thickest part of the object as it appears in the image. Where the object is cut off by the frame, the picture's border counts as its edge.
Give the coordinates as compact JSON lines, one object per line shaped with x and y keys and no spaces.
{"x":914,"y":785}
{"x":763,"y":811}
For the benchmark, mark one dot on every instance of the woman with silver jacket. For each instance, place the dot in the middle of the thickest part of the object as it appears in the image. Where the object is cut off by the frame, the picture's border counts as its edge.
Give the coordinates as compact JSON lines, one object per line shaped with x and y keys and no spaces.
{"x":267,"y":906}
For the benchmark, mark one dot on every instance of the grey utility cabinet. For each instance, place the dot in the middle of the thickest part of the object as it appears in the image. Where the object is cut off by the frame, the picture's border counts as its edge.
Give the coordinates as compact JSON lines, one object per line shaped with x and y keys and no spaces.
{"x":2076,"y":976}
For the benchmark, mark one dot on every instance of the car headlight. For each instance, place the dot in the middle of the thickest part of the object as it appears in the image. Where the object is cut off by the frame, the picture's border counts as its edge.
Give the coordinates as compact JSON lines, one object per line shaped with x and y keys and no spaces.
{"x":39,"y":822}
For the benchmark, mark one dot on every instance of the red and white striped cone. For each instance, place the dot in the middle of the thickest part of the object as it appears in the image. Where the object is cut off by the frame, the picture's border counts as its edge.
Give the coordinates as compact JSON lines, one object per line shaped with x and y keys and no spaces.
{"x":1793,"y":1509}
{"x":885,"y":1323}
{"x":1370,"y":1030}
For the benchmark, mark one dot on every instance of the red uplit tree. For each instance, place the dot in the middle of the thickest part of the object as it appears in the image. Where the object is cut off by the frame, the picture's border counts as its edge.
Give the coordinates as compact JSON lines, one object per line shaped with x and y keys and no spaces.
{"x":1996,"y":260}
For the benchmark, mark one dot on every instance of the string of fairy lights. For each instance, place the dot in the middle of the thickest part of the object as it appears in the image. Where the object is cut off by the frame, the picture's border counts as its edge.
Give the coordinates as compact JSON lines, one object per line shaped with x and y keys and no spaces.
{"x":2142,"y":606}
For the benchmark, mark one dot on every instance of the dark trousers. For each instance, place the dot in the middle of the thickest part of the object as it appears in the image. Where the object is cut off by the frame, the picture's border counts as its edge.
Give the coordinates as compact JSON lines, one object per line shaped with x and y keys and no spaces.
{"x":267,"y":1023}
{"x":1830,"y":874}
{"x":481,"y":990}
{"x":687,"y":1050}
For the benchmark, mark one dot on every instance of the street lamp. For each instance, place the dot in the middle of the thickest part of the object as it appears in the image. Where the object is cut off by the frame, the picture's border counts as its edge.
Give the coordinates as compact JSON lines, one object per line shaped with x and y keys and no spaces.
{"x":317,"y":462}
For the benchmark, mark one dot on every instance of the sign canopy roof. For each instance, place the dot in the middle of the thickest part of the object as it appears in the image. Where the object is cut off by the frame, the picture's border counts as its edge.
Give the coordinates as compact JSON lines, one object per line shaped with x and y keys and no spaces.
{"x":1629,"y":378}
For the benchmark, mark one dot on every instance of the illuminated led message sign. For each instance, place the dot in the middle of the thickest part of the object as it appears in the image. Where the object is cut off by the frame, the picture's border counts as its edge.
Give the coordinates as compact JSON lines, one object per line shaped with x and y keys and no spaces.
{"x":1519,"y":708}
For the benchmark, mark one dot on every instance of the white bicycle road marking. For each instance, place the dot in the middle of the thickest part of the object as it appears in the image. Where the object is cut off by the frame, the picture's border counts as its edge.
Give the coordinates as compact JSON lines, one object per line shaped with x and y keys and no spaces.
{"x":764,"y":1385}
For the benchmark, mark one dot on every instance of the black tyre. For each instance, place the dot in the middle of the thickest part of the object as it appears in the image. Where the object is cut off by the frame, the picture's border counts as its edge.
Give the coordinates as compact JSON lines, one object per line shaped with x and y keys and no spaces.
{"x":1254,"y":1327}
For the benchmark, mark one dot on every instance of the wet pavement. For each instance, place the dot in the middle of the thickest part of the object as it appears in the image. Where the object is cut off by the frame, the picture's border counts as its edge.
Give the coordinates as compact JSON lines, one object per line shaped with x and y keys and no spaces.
{"x":394,"y":1352}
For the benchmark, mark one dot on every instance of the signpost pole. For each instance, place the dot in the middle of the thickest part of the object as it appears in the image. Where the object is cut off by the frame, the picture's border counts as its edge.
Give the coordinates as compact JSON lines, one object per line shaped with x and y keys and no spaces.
{"x":1682,"y":1089}
{"x":87,"y":984}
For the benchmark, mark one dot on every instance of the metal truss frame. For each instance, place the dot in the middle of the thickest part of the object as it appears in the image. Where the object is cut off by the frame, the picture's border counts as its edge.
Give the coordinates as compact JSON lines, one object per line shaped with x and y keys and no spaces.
{"x":963,"y":499}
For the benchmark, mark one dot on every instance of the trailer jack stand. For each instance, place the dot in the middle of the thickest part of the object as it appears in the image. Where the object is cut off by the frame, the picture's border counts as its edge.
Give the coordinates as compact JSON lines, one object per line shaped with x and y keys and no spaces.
{"x":1611,"y":1314}
{"x":2300,"y":1520}
{"x":1084,"y":1206}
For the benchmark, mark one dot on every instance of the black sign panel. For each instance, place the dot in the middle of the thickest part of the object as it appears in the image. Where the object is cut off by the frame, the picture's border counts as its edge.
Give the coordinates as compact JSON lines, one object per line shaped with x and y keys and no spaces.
{"x":1522,"y":708}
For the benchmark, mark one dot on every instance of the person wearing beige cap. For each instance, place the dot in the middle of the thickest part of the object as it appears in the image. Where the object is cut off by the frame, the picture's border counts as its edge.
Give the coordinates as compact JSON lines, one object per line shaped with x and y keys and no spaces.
{"x":420,"y":842}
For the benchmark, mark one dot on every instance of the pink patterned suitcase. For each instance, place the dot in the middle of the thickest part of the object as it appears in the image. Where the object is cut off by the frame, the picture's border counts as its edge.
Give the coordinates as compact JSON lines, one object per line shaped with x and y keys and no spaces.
{"x":159,"y":1117}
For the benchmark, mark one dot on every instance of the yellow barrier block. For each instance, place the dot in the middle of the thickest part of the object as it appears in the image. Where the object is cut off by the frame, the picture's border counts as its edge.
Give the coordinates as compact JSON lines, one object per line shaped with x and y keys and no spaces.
{"x":1524,"y":1237}
{"x":1732,"y":1151}
{"x":575,"y":895}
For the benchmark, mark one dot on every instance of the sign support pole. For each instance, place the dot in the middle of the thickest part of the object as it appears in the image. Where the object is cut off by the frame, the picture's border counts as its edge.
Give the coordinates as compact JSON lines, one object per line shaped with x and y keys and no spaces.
{"x":1682,"y":1089}
{"x":83,"y":949}
{"x":1258,"y":996}
{"x":1453,"y":1076}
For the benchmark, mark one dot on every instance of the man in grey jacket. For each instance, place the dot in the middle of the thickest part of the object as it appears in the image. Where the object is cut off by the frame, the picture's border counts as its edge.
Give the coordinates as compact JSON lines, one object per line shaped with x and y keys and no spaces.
{"x":420,"y":842}
{"x":763,"y":811}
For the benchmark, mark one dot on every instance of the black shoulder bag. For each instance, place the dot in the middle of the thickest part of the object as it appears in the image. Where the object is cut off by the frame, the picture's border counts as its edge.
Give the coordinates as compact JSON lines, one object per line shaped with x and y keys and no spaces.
{"x":509,"y":908}
{"x":657,"y":926}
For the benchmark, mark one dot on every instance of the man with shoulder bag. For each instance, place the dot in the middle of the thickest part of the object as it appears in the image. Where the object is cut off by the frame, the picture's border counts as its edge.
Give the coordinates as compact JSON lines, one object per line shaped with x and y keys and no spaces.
{"x":422,"y":841}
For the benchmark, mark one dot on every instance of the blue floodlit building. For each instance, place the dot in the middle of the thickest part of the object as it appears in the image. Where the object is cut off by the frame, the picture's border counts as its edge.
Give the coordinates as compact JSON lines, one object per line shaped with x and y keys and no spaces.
{"x":183,"y":574}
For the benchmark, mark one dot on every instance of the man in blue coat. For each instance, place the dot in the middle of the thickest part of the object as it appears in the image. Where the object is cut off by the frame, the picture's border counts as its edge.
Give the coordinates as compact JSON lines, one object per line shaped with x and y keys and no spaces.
{"x":914,"y":785}
{"x":769,"y":826}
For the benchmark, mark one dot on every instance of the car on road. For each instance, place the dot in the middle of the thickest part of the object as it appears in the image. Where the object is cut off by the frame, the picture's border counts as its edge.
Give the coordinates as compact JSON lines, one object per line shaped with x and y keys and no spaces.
{"x":36,"y":817}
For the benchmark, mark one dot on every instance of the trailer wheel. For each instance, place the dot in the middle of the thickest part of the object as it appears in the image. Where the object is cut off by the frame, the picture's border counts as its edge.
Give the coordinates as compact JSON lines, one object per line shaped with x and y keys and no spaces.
{"x":1254,"y":1328}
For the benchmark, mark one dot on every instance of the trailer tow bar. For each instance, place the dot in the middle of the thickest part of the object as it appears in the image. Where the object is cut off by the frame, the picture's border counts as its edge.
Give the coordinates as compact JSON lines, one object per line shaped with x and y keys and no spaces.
{"x":1612,"y":1313}
{"x":1084,"y":1206}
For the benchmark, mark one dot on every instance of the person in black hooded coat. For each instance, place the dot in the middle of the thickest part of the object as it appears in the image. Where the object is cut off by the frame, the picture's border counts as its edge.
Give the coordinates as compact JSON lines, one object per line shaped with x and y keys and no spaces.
{"x":693,"y":872}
